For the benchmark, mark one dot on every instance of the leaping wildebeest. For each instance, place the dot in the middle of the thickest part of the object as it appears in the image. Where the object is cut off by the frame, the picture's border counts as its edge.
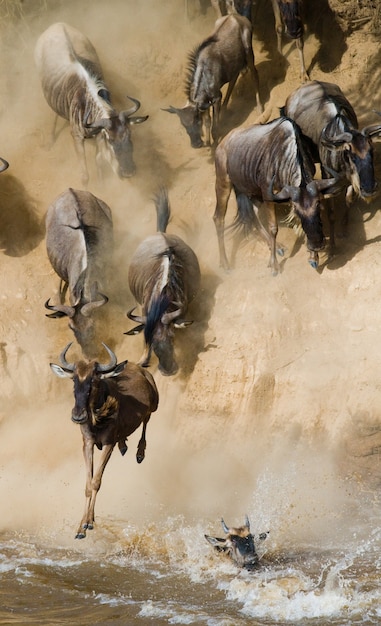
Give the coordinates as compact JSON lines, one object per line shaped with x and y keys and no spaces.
{"x":164,"y":277}
{"x":218,"y":60}
{"x":288,"y":17}
{"x":328,"y":119}
{"x":74,"y":87}
{"x":258,"y":160}
{"x":238,"y":544}
{"x":111,"y":401}
{"x":79,"y":244}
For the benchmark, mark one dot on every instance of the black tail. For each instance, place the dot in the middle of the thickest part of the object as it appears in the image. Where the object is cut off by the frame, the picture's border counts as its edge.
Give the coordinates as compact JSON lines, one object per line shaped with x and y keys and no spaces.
{"x":163,"y":210}
{"x":244,"y":221}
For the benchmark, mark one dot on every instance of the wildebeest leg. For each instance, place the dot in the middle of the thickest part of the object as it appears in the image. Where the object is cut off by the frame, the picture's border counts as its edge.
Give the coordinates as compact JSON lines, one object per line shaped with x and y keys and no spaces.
{"x":79,"y":145}
{"x":229,"y":91}
{"x":142,"y":443}
{"x":223,"y":191}
{"x":251,"y":65}
{"x":93,"y":483}
{"x":273,"y":231}
{"x":216,"y":120}
{"x":303,"y":72}
{"x":278,"y":25}
{"x":206,"y":123}
{"x":330,"y":207}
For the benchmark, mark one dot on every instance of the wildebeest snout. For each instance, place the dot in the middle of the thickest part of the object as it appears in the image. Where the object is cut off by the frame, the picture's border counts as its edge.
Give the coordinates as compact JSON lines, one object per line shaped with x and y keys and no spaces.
{"x":79,"y":417}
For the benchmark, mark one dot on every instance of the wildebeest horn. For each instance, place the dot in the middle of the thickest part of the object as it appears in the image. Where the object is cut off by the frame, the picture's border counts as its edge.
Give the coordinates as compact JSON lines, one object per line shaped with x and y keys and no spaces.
{"x":136,"y":318}
{"x":224,"y":527}
{"x":60,"y":310}
{"x":167,"y":318}
{"x":87,"y":308}
{"x":327,"y":184}
{"x":336,"y":140}
{"x":247,"y":522}
{"x":4,"y":166}
{"x":284,"y":194}
{"x":64,"y":363}
{"x":374,"y":129}
{"x":171,"y":109}
{"x":109,"y":366}
{"x":132,"y":109}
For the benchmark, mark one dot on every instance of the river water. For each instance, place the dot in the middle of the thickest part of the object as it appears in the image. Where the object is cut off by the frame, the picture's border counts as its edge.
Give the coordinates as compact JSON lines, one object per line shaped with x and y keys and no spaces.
{"x":164,"y":572}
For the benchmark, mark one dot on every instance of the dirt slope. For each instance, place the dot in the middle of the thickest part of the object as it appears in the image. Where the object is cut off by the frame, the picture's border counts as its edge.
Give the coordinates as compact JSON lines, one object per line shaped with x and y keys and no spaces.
{"x":270,"y":365}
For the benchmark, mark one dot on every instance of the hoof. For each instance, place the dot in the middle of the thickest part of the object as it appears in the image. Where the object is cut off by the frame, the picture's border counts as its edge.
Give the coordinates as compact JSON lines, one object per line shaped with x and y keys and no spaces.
{"x":80,"y":535}
{"x":314,"y":264}
{"x":280,"y":251}
{"x":139,"y":458}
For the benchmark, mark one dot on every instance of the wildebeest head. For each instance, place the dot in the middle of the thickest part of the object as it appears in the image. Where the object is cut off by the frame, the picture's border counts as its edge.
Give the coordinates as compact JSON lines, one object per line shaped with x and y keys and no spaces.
{"x":81,"y":318}
{"x":191,"y":118}
{"x":117,"y":146}
{"x":159,"y":331}
{"x":238,"y":544}
{"x":357,"y":150}
{"x":89,"y":404}
{"x":305,"y":201}
{"x":290,"y":11}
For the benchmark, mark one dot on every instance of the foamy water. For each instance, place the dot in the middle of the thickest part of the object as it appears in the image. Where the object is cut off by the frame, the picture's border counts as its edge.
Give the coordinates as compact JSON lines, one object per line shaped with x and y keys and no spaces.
{"x":168,"y":574}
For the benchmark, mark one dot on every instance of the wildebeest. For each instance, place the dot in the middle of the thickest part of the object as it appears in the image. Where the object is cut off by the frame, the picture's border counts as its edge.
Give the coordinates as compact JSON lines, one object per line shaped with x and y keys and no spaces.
{"x":218,"y":60}
{"x":238,"y":544}
{"x":258,"y":160}
{"x":111,"y":401}
{"x":164,"y":276}
{"x":288,"y":17}
{"x":74,"y":87}
{"x":79,"y":244}
{"x":328,"y":119}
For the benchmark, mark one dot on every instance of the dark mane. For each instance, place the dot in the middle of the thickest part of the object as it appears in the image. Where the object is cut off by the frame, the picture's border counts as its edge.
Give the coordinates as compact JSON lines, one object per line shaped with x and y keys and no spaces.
{"x":193,"y":61}
{"x":169,"y":298}
{"x":158,"y":306}
{"x":305,"y":159}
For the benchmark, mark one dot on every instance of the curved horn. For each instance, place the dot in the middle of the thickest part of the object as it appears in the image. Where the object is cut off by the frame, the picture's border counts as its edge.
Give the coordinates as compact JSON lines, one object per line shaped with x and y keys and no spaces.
{"x":224,"y":527}
{"x":284,"y":194}
{"x":132,"y":109}
{"x":335,"y":141}
{"x":167,"y":318}
{"x":4,"y":165}
{"x":109,"y":366}
{"x":60,"y":310}
{"x":136,"y":318}
{"x":87,"y":308}
{"x":64,"y":363}
{"x":374,"y":129}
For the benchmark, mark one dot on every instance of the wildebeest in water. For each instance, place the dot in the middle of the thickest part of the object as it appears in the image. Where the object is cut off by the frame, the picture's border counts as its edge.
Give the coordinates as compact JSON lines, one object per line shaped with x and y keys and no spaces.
{"x":164,"y":277}
{"x":111,"y":401}
{"x":238,"y":544}
{"x":74,"y":87}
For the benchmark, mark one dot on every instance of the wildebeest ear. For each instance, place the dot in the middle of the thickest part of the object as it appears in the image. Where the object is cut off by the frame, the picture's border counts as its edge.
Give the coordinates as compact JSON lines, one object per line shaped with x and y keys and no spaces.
{"x":60,"y":371}
{"x":217,"y":543}
{"x":117,"y":370}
